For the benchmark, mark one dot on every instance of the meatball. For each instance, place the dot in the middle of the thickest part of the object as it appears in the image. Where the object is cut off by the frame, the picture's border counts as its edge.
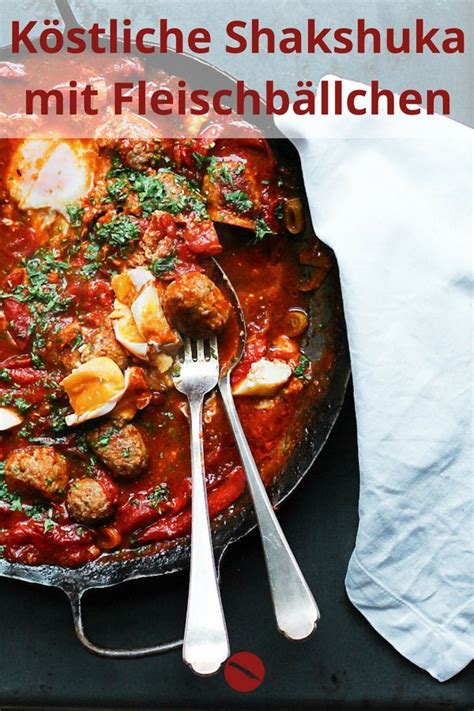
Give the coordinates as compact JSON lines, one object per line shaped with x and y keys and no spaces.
{"x":136,"y":140}
{"x":71,"y":344}
{"x":195,"y":305}
{"x":102,"y":342}
{"x":37,"y":471}
{"x":62,"y":344}
{"x":140,"y":155}
{"x":122,"y":450}
{"x":87,"y":501}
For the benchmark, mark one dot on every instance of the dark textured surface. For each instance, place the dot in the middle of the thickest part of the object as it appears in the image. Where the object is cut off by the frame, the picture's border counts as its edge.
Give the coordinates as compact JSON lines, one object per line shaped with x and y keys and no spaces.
{"x":42,"y":664}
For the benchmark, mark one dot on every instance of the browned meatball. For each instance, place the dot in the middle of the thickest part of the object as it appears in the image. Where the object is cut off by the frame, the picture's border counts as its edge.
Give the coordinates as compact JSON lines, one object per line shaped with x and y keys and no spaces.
{"x":195,"y":305}
{"x":87,"y":501}
{"x":142,"y":146}
{"x":139,"y":155}
{"x":102,"y":342}
{"x":122,"y":450}
{"x":62,"y":344}
{"x":37,"y":471}
{"x":71,"y":344}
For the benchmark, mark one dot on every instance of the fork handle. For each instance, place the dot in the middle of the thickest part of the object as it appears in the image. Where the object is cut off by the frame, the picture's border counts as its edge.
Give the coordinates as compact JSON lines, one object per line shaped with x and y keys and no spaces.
{"x":296,"y":611}
{"x":205,"y":644}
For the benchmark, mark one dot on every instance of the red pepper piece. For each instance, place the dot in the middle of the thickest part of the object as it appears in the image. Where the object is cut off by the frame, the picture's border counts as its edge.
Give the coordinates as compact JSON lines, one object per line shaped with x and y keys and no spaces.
{"x":20,"y":319}
{"x":179,"y":524}
{"x":33,"y":543}
{"x":140,"y":510}
{"x":16,"y":361}
{"x":26,"y":376}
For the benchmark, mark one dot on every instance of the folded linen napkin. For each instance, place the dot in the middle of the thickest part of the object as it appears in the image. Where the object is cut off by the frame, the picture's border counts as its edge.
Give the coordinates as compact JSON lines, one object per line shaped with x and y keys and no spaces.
{"x":392,"y":196}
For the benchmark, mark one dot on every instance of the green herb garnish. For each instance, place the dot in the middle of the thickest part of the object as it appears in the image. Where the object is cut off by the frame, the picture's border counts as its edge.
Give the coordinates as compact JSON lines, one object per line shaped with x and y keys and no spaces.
{"x":75,"y":215}
{"x":163,"y":264}
{"x":5,"y":375}
{"x":279,"y":210}
{"x":159,"y":494}
{"x":120,"y":232}
{"x":261,"y":229}
{"x":239,"y":200}
{"x":104,"y":439}
{"x":19,"y":403}
{"x":301,"y":370}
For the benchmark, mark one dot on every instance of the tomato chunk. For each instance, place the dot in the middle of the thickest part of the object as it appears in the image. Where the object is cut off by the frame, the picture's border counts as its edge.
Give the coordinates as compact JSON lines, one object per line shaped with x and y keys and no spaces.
{"x":21,"y":322}
{"x":202,"y":238}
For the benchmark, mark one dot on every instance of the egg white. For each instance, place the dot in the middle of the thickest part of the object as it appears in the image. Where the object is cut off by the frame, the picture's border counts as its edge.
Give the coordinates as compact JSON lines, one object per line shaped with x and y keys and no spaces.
{"x":126,"y":332}
{"x":264,"y":378}
{"x":138,"y":319}
{"x":50,"y":173}
{"x":9,"y":418}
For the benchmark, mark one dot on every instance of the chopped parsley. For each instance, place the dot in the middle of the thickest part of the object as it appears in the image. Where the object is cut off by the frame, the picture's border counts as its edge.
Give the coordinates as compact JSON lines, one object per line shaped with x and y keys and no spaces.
{"x":221,"y":169}
{"x":261,"y":229}
{"x":117,"y":190}
{"x":104,"y":438}
{"x":200,"y":160}
{"x":163,"y":264}
{"x":78,"y":342}
{"x":163,"y":190}
{"x":75,"y":215}
{"x":18,"y":403}
{"x":5,"y":375}
{"x":153,"y":195}
{"x":91,"y":251}
{"x":43,"y":292}
{"x":120,"y":232}
{"x":57,"y":419}
{"x":301,"y":370}
{"x":89,"y":271}
{"x":279,"y":210}
{"x":227,"y":174}
{"x":8,"y":497}
{"x":48,"y":525}
{"x":239,"y":200}
{"x":159,"y":494}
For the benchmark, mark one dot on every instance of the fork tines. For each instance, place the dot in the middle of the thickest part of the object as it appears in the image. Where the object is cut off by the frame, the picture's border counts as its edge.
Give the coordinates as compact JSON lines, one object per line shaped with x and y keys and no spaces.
{"x":199,"y":349}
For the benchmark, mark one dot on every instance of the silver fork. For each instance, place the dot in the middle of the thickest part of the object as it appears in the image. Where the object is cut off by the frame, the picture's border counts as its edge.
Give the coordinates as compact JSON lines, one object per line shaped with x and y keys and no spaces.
{"x":205,"y":644}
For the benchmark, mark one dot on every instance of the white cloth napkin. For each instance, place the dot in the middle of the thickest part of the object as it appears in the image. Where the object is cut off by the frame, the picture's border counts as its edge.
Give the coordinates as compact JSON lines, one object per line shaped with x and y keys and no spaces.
{"x":392,"y":197}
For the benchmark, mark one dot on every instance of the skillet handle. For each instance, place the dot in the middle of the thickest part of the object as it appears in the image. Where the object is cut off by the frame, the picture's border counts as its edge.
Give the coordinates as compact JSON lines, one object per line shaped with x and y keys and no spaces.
{"x":67,"y":14}
{"x":75,"y":599}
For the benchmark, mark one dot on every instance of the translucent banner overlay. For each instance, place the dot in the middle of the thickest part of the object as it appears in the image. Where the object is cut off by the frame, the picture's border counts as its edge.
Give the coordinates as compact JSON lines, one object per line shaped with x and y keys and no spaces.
{"x":210,"y":70}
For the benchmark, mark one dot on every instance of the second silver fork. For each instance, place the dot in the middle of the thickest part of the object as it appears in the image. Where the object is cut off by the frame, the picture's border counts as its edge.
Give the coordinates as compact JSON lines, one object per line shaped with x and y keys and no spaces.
{"x":206,"y":643}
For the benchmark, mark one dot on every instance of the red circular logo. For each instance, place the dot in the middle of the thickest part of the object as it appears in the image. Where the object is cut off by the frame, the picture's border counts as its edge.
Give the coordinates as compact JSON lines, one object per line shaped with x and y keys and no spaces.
{"x":244,"y":671}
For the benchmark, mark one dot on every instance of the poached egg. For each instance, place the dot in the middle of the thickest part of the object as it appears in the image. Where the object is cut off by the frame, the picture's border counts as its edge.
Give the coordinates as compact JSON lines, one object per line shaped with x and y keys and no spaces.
{"x":51,"y":173}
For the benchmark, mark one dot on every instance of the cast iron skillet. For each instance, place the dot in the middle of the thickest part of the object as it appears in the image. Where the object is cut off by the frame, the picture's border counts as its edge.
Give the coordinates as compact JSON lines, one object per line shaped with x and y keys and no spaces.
{"x":172,"y":556}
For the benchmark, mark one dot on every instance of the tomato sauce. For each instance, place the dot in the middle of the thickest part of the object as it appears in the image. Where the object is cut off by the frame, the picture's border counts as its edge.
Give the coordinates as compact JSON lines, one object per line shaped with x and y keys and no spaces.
{"x":56,"y":269}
